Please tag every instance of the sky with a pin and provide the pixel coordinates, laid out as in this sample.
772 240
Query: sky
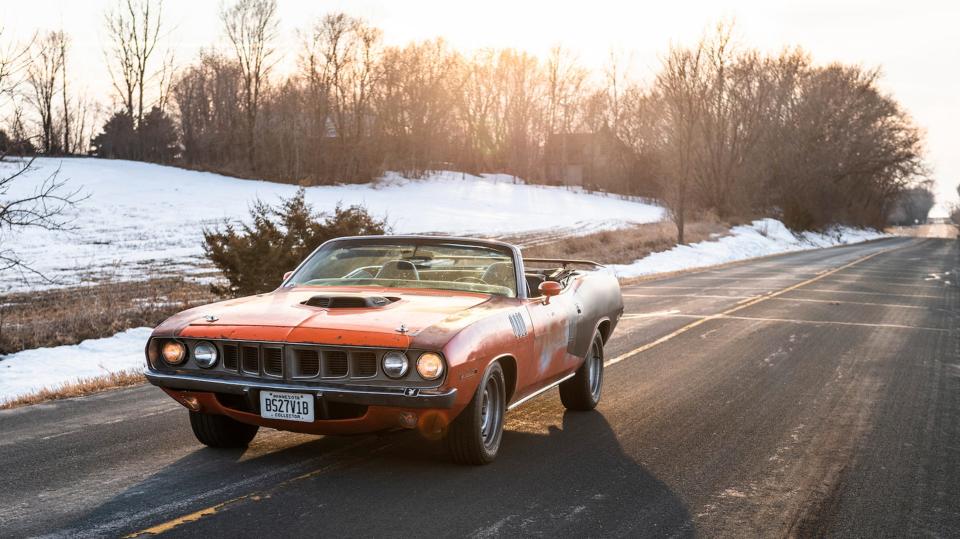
915 43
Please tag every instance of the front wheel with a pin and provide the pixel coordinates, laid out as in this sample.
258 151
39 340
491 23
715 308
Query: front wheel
582 392
474 436
217 430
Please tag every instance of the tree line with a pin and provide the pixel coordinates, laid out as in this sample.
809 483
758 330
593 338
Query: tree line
721 128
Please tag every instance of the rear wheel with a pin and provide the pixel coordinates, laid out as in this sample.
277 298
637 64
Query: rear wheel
221 431
474 436
582 392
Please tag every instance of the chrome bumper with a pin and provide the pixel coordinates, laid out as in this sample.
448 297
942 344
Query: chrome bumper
400 397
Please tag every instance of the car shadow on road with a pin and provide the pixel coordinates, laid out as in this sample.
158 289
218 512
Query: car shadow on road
571 478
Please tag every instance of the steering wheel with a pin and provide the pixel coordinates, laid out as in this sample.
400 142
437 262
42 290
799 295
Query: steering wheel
474 280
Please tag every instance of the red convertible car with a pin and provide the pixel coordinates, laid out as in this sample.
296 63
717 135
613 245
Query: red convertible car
372 333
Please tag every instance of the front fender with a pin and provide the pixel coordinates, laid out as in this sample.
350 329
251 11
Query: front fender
471 351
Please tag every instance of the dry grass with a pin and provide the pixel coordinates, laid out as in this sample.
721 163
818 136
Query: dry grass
625 245
85 386
70 315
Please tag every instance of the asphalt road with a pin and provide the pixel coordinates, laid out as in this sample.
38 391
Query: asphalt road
815 393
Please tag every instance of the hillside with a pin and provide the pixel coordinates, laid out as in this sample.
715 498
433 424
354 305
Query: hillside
143 220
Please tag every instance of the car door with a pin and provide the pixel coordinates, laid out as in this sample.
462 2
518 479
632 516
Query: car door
554 328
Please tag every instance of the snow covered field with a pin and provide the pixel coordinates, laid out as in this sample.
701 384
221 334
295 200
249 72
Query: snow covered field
760 238
143 220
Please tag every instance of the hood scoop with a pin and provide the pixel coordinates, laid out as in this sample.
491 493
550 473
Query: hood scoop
348 302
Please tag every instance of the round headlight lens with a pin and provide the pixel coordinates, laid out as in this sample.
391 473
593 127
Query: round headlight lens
174 353
395 364
430 366
205 354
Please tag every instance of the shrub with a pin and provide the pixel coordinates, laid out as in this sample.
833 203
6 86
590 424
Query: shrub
254 256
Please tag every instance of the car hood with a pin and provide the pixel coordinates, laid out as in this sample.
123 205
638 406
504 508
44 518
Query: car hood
288 315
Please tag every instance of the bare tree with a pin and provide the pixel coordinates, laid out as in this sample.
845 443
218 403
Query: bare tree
14 58
134 27
414 104
566 82
251 26
480 112
680 86
42 76
343 71
64 94
520 134
44 208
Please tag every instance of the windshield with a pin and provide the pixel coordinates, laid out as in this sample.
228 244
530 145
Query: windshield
435 265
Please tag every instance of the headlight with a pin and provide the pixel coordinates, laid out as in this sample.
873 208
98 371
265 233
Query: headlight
395 364
205 354
174 353
430 366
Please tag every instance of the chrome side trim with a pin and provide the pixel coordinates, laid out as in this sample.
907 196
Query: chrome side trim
541 391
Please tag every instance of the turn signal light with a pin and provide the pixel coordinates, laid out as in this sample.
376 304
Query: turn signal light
174 353
430 366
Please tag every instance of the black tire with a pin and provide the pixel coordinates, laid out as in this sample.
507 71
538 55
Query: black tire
221 431
582 392
474 436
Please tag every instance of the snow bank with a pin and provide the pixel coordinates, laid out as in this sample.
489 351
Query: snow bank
760 238
29 371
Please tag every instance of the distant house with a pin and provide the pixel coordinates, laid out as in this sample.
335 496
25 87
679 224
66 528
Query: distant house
596 160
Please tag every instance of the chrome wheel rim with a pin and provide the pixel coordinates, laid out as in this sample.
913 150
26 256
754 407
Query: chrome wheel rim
491 413
595 371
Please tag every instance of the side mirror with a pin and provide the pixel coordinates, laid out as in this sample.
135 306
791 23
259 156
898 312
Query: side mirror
287 276
549 289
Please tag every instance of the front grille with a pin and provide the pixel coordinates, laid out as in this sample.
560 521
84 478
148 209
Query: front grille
364 364
250 358
305 363
231 356
273 361
334 364
308 362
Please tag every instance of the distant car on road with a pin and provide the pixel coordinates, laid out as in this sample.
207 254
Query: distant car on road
373 333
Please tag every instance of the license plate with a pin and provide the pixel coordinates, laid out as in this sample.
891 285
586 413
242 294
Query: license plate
288 406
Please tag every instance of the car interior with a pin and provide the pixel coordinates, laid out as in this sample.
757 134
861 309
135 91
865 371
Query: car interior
496 274
535 277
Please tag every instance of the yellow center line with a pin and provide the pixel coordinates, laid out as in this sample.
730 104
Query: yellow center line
886 282
740 307
258 495
667 314
834 322
760 289
685 296
842 302
829 291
